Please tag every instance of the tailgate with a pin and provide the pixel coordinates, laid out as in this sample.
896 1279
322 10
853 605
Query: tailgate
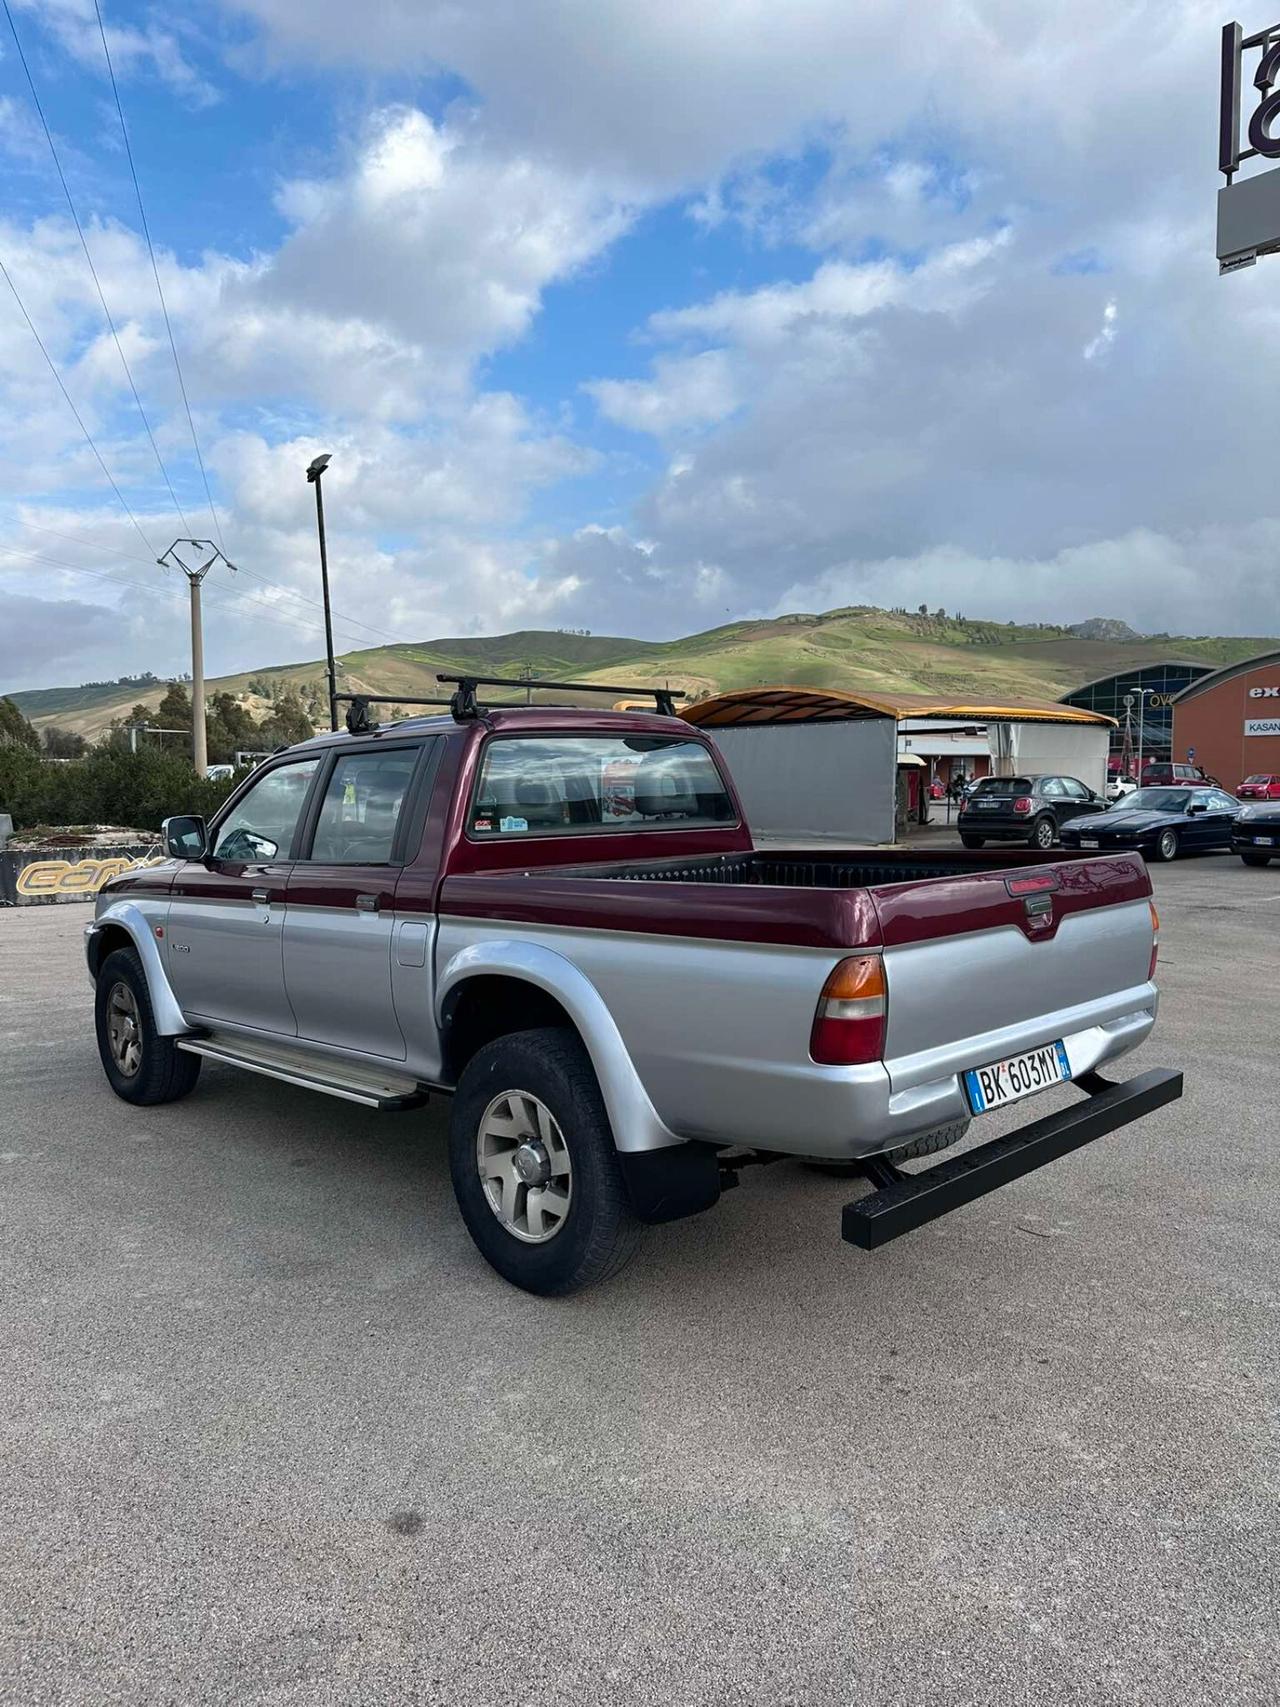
985 964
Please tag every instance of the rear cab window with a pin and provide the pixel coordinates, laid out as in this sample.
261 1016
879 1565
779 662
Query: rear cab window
561 785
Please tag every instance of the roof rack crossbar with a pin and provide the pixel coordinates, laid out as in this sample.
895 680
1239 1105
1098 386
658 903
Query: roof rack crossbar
465 705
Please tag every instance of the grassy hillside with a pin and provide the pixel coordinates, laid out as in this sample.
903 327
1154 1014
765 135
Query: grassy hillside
852 648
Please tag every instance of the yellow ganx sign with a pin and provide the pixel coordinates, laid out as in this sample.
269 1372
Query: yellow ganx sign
78 877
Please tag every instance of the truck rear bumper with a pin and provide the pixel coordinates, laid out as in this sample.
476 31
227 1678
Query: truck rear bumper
905 1201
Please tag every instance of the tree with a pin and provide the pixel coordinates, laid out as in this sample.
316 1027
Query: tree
62 743
174 710
289 722
15 730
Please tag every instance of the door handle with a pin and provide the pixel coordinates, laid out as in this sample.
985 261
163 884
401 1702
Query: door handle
367 903
263 897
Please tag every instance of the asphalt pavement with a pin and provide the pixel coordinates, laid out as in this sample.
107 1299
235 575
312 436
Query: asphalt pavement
271 1432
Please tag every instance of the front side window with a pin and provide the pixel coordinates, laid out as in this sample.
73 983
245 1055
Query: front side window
1074 788
361 809
574 784
262 824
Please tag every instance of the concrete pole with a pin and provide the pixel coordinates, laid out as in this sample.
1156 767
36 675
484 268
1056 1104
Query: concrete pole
199 744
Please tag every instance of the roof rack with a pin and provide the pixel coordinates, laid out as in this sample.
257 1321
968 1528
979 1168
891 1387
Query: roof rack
358 720
465 706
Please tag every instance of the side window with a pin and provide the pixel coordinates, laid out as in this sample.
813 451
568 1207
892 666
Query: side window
261 826
1074 790
1222 802
1052 788
361 809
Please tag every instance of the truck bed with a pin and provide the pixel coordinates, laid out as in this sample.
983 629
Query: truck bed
842 898
839 869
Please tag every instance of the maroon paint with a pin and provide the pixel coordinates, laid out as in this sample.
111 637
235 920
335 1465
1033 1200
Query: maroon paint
147 881
942 907
225 882
327 885
811 918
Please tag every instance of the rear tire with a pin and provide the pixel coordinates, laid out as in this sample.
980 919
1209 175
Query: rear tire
1044 833
1252 858
1167 845
973 841
141 1066
550 1210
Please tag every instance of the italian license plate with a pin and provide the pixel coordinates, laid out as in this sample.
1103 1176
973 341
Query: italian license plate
1019 1076
1086 843
1265 841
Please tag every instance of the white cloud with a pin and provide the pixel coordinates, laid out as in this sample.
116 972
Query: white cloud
1099 345
151 50
693 391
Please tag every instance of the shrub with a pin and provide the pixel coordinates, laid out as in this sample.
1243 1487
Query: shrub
137 790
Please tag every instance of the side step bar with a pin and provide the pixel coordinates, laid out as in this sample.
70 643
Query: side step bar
907 1201
368 1086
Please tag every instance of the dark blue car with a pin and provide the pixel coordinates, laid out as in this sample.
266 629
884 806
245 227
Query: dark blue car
1161 822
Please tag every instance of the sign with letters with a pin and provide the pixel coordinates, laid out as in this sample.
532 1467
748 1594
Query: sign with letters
1262 725
30 878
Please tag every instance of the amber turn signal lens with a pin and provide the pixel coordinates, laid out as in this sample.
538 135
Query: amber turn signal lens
849 1025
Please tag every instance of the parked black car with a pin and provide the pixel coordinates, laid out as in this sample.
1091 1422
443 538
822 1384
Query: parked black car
1255 835
1023 809
1162 822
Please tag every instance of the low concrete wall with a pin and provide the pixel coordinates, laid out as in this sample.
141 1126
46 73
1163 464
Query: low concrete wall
75 873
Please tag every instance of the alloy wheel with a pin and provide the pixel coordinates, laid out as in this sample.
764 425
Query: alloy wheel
1044 833
524 1166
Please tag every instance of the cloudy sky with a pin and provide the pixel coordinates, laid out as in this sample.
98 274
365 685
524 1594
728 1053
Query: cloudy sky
631 315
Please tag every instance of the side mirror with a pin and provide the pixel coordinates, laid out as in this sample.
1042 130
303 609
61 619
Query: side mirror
185 838
1194 806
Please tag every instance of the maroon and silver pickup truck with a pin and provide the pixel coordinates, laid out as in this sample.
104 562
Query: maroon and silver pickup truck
558 916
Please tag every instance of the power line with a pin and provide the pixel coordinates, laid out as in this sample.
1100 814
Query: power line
344 621
164 307
75 219
265 611
79 421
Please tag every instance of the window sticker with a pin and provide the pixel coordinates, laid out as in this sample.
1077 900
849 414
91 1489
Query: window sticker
505 824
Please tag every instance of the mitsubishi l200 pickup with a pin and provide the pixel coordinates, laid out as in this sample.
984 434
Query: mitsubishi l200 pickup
557 916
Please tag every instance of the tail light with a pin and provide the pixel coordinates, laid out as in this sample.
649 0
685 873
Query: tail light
848 1028
1155 940
1022 803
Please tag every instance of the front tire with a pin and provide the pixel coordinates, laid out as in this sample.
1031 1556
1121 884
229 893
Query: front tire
535 1171
1252 858
1043 834
1167 845
141 1066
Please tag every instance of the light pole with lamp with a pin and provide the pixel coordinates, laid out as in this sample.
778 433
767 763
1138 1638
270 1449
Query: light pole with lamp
315 469
1143 695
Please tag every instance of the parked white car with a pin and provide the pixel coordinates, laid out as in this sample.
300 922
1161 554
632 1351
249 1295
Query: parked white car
1119 786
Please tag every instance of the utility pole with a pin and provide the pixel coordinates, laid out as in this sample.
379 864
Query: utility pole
195 575
315 469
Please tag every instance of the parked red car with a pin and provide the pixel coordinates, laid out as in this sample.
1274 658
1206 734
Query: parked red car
1263 786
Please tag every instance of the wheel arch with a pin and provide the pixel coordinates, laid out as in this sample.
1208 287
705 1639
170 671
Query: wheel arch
491 989
124 925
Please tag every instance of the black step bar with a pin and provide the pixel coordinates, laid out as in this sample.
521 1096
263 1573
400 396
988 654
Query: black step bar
906 1201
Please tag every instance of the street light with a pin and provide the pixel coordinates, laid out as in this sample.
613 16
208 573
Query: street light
1143 695
314 470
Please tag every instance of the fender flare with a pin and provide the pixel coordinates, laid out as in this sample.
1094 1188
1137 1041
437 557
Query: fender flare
129 917
635 1122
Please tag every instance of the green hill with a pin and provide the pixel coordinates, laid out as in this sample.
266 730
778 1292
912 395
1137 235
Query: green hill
857 647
